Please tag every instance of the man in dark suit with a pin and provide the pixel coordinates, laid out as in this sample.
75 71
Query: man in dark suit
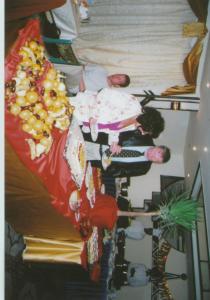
133 167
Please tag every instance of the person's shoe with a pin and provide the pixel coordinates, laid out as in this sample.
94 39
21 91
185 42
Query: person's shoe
148 231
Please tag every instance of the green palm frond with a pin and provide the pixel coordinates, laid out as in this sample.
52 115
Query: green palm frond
180 210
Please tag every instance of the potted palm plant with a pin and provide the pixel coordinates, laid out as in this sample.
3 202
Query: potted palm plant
181 210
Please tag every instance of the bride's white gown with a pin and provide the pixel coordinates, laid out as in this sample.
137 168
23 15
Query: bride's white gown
107 107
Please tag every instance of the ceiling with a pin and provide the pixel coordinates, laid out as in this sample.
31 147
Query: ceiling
197 145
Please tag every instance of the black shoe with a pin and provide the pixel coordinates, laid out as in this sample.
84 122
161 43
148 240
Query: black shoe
148 231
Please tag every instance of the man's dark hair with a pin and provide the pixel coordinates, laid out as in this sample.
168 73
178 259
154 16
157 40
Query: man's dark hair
151 121
166 153
126 81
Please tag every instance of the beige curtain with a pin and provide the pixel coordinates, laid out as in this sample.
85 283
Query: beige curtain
139 37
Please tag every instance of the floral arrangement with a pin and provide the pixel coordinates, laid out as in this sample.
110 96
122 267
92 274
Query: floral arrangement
179 210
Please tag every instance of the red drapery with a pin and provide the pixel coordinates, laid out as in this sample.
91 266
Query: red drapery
51 168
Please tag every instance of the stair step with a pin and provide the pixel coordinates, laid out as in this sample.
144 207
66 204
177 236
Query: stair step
156 198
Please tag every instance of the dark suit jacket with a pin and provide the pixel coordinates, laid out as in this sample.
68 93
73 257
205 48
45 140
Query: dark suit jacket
128 138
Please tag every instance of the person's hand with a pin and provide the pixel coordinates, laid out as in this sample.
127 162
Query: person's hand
92 121
115 148
82 86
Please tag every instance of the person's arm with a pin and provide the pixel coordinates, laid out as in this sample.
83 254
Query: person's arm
82 86
127 122
120 169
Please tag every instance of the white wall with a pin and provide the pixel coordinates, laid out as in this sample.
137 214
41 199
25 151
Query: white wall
174 137
138 252
141 252
142 186
176 264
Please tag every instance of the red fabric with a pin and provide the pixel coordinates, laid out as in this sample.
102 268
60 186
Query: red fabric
52 168
83 257
104 212
96 272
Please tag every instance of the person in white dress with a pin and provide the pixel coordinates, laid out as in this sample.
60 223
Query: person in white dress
112 111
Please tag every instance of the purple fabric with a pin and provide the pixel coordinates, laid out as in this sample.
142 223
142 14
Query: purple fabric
111 126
